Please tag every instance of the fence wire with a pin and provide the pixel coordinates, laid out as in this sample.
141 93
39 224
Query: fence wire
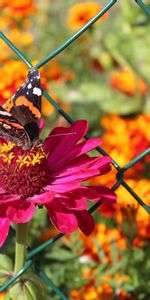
120 171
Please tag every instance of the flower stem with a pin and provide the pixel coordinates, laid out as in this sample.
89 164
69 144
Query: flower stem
21 243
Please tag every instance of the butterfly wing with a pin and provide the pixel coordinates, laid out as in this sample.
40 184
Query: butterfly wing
25 104
12 130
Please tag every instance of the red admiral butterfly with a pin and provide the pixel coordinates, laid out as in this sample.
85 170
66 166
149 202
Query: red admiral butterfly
20 115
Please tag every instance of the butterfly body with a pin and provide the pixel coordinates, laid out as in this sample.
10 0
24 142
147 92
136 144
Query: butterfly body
20 115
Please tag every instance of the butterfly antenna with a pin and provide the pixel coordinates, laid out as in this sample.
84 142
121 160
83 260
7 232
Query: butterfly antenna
61 134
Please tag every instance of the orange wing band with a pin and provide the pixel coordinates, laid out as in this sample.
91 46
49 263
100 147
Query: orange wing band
23 101
8 105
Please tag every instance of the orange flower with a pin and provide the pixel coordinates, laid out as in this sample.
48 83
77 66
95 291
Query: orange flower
47 234
104 236
6 22
103 291
48 109
125 138
2 295
130 211
18 37
55 72
80 13
12 74
17 8
128 83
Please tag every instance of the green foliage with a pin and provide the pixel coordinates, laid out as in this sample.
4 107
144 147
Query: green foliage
29 287
121 41
6 267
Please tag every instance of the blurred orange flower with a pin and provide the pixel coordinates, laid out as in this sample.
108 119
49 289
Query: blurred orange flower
103 291
125 138
2 295
104 236
47 234
56 72
48 109
131 211
17 8
12 74
80 13
128 83
16 36
6 22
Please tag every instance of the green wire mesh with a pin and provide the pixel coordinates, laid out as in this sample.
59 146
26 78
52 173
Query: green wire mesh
120 171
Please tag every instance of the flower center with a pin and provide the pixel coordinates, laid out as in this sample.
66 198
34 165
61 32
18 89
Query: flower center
22 172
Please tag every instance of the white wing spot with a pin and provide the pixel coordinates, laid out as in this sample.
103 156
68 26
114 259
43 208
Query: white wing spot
6 126
5 113
37 91
29 86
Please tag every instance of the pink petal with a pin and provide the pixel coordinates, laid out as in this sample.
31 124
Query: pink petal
70 202
22 212
74 166
75 132
62 188
105 193
4 225
67 154
5 199
88 193
54 138
85 222
83 162
102 163
83 171
2 191
41 125
43 198
79 176
64 222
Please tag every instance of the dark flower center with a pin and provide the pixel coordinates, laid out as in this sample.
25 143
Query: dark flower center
23 174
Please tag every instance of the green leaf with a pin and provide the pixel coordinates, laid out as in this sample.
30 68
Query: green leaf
60 255
6 266
29 287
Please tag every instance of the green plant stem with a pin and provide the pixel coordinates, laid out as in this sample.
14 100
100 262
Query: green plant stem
21 244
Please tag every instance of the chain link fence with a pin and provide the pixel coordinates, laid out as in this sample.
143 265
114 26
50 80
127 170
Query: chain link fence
120 171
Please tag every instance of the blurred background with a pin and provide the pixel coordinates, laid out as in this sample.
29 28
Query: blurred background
103 77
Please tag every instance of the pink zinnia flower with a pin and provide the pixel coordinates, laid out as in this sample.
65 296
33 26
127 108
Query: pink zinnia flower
51 175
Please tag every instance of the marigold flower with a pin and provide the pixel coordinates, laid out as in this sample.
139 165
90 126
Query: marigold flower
104 236
16 8
80 13
51 175
56 72
2 295
128 83
6 22
48 109
104 291
16 35
130 210
124 134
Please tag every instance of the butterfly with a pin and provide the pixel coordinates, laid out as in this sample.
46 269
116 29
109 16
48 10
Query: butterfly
20 114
